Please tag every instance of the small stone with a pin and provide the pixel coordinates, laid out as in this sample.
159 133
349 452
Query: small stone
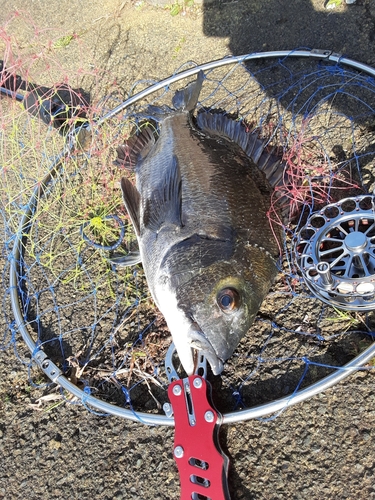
54 445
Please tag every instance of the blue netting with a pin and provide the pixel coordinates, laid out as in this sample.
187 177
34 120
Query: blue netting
96 321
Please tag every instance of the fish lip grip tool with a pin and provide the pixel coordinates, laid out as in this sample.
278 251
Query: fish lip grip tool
202 465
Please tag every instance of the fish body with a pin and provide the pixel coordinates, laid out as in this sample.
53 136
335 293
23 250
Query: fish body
199 211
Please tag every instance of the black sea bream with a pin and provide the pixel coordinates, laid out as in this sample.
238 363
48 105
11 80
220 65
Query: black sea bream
199 209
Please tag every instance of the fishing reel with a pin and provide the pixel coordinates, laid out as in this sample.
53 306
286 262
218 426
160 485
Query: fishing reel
335 252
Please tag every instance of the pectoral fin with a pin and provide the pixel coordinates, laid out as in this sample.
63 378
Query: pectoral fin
164 204
132 201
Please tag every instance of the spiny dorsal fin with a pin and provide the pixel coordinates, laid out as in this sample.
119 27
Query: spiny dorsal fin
135 148
164 204
220 125
187 98
132 201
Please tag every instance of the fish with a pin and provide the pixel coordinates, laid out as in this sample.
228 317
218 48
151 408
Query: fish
199 209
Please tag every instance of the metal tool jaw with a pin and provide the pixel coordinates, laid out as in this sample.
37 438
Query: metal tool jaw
202 465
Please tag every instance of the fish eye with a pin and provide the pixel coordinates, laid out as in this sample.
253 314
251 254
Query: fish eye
228 300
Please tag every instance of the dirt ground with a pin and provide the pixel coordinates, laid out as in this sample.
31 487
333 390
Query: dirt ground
322 448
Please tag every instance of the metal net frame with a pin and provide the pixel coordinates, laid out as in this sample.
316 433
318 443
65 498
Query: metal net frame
91 326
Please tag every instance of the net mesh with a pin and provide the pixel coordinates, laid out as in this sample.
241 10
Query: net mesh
97 321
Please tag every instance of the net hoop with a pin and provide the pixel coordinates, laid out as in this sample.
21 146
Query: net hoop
52 370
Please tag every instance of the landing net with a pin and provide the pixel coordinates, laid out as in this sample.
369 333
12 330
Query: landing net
100 335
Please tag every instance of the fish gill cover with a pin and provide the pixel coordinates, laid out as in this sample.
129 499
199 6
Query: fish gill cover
96 320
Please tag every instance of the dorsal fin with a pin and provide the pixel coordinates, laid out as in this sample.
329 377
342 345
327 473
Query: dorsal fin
220 125
135 148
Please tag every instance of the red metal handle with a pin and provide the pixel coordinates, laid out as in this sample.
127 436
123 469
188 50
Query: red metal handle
202 465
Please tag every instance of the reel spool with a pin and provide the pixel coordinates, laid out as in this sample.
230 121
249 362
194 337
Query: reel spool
335 252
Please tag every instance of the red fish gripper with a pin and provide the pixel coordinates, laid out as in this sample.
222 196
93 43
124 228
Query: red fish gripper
202 465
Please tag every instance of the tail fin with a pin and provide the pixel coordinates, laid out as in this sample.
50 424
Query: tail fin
186 99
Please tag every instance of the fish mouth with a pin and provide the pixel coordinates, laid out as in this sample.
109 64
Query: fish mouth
198 341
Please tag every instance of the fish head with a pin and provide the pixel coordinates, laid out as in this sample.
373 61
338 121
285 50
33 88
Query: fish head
213 311
222 306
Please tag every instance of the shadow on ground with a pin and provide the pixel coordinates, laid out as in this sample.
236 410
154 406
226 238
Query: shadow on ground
278 25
